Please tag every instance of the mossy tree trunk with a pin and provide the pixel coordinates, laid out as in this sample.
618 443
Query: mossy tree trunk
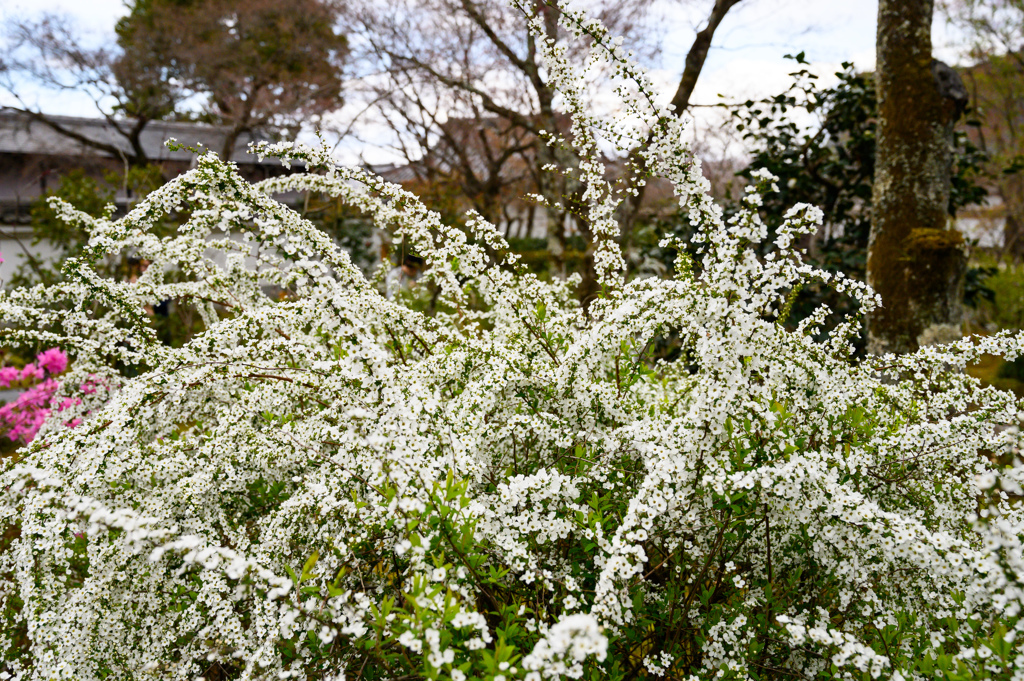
916 259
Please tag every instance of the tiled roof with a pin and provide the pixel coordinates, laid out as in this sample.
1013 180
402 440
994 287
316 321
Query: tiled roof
21 134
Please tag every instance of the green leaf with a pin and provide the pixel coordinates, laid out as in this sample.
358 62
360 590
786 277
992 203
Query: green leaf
307 569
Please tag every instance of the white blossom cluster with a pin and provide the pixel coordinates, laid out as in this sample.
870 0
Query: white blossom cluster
337 485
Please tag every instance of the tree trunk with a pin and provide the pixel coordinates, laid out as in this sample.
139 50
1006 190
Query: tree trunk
916 258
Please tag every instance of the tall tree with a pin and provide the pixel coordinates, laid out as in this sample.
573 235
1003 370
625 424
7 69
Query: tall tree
471 60
474 60
916 260
127 90
258 65
692 67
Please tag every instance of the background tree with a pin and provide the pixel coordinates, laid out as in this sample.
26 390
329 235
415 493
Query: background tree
255 66
916 261
693 65
457 155
261 66
473 60
127 90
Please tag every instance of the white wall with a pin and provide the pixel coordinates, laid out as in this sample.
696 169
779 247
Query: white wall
13 243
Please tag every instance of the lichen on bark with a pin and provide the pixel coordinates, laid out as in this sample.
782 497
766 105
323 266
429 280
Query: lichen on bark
916 259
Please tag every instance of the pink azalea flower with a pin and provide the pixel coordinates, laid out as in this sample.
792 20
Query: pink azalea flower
26 415
22 418
69 402
27 423
32 371
53 360
9 375
38 395
92 385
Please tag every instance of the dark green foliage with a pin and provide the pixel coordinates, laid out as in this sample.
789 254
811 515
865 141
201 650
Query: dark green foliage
830 164
174 323
1014 369
976 286
820 143
1005 310
84 193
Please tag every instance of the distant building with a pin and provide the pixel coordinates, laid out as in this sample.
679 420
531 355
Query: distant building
34 157
985 224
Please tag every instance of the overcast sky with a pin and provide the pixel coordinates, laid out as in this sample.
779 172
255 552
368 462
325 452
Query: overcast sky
746 59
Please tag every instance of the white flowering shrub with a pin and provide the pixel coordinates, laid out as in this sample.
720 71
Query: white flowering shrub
335 485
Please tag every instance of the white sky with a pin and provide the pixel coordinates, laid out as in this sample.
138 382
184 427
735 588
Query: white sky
746 59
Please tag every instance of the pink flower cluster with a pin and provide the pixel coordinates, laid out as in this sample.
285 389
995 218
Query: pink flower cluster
22 418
